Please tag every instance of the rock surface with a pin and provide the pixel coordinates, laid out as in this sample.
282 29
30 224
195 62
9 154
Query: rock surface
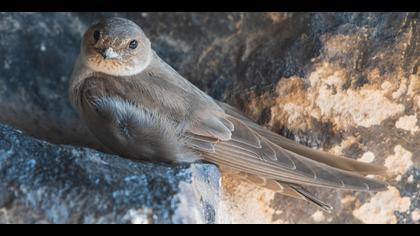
347 83
46 183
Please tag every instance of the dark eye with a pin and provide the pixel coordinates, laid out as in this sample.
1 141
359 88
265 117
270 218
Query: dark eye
133 44
96 35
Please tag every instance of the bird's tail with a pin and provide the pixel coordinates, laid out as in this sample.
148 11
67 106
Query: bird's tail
306 195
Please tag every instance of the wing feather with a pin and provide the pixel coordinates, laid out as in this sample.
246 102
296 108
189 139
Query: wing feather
247 150
320 156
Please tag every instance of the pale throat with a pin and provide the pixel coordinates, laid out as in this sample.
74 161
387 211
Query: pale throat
115 66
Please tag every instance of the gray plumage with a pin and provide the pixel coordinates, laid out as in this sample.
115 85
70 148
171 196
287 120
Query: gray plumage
139 107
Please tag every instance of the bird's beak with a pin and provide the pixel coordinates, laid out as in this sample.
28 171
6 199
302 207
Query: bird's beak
108 53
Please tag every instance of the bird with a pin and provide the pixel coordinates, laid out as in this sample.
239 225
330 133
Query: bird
139 107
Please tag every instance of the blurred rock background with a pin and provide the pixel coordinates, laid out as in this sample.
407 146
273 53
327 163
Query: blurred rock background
347 83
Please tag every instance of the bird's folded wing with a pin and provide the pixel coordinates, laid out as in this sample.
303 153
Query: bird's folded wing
320 156
227 140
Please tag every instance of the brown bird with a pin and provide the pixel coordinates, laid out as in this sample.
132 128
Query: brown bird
139 107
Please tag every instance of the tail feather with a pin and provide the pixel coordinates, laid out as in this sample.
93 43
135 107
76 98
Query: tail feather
306 195
287 189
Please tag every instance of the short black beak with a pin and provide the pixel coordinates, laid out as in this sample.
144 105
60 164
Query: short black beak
102 52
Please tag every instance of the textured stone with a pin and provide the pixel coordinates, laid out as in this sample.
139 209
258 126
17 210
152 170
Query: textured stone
347 83
46 183
380 209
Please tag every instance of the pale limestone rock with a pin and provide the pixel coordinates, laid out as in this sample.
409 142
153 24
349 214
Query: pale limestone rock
380 208
415 216
408 123
243 202
367 157
399 163
318 216
401 90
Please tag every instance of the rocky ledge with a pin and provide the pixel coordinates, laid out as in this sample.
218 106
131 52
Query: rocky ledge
46 183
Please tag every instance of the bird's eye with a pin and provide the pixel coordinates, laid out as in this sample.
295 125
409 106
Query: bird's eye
133 44
96 35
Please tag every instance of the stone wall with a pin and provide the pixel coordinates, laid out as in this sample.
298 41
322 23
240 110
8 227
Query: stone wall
347 83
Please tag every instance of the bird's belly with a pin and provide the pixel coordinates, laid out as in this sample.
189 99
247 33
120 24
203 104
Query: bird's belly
134 133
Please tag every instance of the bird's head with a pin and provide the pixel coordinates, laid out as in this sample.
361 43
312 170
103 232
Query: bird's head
116 46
